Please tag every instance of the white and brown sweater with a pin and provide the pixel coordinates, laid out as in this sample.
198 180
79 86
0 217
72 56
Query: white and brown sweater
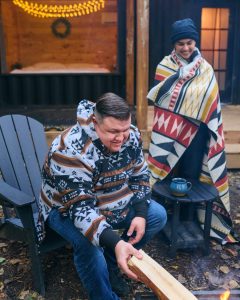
93 187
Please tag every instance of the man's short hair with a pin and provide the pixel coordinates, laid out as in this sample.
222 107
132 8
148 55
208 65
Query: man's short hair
111 105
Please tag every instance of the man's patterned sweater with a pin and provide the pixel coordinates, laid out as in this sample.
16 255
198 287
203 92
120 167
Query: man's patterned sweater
85 182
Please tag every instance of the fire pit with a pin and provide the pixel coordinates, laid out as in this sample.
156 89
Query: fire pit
201 295
218 295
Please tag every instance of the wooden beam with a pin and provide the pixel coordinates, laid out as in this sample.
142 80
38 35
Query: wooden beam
130 53
2 43
146 138
160 281
142 62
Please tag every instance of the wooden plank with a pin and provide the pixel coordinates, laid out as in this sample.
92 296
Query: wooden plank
233 148
142 62
159 280
233 156
39 140
6 167
232 136
10 42
146 138
130 78
2 43
50 136
109 17
16 162
233 161
231 120
28 152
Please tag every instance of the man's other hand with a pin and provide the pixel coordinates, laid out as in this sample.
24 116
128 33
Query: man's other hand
137 226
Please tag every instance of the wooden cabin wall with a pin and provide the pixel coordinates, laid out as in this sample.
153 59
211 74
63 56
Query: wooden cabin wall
29 40
9 42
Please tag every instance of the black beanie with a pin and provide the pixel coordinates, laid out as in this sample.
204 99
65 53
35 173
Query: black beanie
184 29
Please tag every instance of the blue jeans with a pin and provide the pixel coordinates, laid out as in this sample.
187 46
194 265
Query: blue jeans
89 260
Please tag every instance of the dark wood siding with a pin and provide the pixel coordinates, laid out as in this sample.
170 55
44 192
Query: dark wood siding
56 89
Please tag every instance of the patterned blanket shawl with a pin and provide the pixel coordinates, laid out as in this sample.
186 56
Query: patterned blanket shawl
185 95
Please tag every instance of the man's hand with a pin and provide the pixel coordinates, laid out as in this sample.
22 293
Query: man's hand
138 225
123 252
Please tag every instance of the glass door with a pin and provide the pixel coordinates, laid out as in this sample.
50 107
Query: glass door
215 45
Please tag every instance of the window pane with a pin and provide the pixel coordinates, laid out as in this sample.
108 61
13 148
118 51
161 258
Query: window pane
215 18
220 39
214 40
207 39
208 55
208 18
219 60
216 60
223 18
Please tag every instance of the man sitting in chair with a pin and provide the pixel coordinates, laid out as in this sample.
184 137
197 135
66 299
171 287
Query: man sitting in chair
96 180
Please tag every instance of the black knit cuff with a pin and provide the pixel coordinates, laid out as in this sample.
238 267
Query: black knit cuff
141 209
109 238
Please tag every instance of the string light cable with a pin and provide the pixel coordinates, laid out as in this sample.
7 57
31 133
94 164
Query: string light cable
60 11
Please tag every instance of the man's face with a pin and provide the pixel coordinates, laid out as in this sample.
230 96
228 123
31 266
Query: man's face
185 48
112 132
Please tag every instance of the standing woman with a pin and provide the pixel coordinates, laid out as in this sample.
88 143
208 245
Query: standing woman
187 135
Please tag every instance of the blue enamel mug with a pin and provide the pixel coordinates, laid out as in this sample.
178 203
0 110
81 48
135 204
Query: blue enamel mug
180 186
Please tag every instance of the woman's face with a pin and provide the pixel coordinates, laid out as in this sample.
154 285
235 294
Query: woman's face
185 48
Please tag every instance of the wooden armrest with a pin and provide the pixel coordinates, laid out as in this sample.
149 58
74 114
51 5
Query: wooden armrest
14 196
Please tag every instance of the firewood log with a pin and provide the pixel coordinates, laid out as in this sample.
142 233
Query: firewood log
159 280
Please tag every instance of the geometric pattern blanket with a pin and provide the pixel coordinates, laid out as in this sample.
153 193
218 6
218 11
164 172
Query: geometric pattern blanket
185 95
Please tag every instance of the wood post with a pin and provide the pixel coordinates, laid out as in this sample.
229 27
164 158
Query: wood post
2 43
142 62
130 53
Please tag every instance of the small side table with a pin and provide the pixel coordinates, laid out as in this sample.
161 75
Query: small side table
187 233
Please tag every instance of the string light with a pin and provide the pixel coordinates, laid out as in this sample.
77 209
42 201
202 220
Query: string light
60 11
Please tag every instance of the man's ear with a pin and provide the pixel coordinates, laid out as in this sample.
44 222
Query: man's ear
94 119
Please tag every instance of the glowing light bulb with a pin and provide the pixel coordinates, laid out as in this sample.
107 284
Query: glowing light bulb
52 11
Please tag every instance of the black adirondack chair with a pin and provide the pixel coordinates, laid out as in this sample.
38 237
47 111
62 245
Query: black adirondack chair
23 149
